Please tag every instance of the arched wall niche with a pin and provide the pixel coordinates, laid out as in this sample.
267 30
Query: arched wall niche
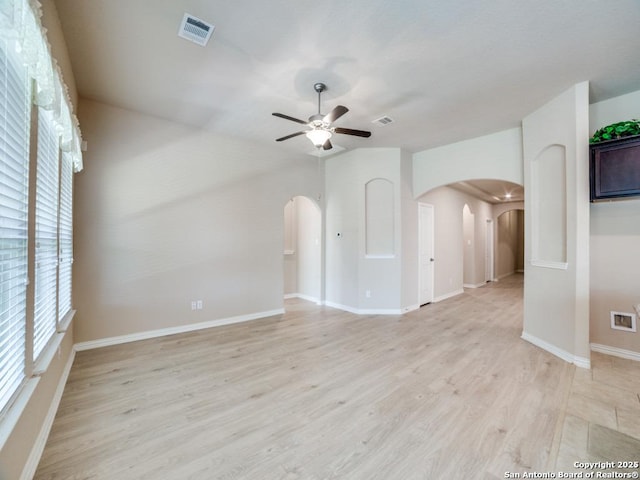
549 206
379 218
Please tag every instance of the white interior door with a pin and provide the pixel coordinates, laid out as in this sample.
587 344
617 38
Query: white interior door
488 276
426 244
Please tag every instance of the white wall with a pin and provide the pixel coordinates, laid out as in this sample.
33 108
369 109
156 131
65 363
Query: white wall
496 156
354 280
556 293
166 214
409 235
615 241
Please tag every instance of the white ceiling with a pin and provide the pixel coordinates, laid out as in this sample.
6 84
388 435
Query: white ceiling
444 71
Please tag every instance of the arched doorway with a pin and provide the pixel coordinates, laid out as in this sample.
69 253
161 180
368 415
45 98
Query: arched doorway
509 242
468 247
466 233
302 257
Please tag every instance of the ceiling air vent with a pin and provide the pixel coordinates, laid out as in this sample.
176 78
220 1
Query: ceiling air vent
382 121
195 30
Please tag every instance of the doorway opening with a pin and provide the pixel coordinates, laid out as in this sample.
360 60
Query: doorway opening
489 275
468 248
466 245
510 243
302 259
425 253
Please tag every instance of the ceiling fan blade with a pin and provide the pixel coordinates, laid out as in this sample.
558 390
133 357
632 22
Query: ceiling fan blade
287 117
350 131
290 136
327 145
335 114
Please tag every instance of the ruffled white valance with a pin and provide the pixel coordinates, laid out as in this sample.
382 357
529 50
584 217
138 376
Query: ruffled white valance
20 22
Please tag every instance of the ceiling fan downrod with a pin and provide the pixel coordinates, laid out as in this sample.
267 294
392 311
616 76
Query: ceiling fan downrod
319 87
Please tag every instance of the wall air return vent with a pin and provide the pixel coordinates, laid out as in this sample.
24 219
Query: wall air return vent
384 120
195 30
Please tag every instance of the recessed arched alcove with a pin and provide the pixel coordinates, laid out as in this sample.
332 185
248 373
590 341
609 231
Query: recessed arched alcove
549 206
379 218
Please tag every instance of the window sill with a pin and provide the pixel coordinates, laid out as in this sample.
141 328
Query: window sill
66 321
10 419
550 264
42 364
12 415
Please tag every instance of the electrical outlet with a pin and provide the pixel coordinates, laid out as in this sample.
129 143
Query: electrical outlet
194 305
367 294
199 304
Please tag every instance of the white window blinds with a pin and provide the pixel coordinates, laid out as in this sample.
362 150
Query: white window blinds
46 257
65 236
14 180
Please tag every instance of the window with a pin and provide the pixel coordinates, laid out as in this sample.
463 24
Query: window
14 180
47 194
65 236
37 162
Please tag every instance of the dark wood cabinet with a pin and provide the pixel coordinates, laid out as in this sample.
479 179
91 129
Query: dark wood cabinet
615 169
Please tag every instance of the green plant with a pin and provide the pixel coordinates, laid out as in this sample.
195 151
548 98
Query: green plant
616 130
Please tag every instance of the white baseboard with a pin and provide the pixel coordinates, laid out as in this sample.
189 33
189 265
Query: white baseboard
380 311
448 295
474 285
302 296
505 275
31 466
578 361
410 308
339 306
367 311
616 352
134 337
582 362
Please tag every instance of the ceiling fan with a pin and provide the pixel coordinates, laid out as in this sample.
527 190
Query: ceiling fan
320 129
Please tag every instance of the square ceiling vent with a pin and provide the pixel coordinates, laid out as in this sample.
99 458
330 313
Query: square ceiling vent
195 30
383 121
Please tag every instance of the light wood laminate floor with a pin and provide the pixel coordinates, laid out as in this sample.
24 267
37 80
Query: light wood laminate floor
446 392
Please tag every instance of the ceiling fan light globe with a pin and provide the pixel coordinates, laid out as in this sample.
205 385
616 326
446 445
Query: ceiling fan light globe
318 136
